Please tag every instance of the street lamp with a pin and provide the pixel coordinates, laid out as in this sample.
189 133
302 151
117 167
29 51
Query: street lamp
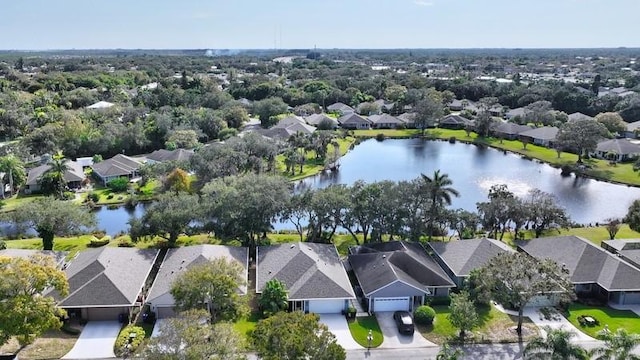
369 339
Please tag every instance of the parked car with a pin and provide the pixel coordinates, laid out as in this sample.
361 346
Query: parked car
404 321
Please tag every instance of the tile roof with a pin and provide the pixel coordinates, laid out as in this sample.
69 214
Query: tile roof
377 265
586 262
308 270
463 256
180 259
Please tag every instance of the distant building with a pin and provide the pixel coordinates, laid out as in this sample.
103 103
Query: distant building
101 105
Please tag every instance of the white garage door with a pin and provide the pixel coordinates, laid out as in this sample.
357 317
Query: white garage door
390 304
326 306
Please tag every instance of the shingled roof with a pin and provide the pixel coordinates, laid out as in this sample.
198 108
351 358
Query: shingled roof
466 255
107 276
119 165
74 173
308 270
170 155
586 262
377 265
619 146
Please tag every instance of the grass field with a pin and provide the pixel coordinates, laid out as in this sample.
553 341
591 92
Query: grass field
360 327
614 319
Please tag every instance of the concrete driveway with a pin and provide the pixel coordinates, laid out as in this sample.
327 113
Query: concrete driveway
557 322
337 324
393 339
96 341
156 328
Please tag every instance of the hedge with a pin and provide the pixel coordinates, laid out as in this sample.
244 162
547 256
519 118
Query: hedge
424 315
124 339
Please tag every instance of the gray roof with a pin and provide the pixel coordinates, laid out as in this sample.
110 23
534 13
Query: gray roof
586 262
74 173
58 256
316 119
455 120
465 255
308 270
170 155
626 244
339 107
288 121
578 116
542 133
377 265
107 276
385 119
619 146
119 165
408 118
510 128
353 119
516 112
633 126
180 259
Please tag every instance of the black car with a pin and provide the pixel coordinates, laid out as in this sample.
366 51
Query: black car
404 321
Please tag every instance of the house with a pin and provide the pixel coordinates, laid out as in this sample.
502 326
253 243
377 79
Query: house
632 130
374 108
509 130
543 136
464 104
459 258
578 116
116 167
397 275
496 110
179 260
627 249
164 155
317 119
385 121
73 176
354 121
517 112
408 118
289 120
293 124
340 108
101 105
618 149
107 283
59 257
384 105
313 274
594 271
455 122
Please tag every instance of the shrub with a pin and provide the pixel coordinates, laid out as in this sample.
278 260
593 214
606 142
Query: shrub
124 242
93 196
67 329
3 245
95 242
227 133
125 338
424 315
452 139
110 196
119 184
380 137
99 234
68 195
439 300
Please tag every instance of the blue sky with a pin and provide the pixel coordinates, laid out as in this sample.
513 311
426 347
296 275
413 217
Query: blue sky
82 24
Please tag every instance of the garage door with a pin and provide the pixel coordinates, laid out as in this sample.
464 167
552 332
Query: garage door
165 312
632 297
543 300
104 314
326 306
390 304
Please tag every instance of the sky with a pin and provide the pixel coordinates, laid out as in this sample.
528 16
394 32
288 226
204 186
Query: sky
268 24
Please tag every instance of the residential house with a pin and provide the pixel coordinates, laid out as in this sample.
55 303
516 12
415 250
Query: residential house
58 256
362 108
543 136
632 130
179 260
618 149
496 110
385 121
164 155
455 122
627 249
107 283
317 119
408 119
578 116
73 176
594 271
313 274
517 112
459 258
397 275
100 105
116 167
354 121
340 108
509 130
464 104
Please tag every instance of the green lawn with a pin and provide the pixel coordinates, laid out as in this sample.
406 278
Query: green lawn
246 325
10 204
70 244
312 166
614 319
360 330
390 133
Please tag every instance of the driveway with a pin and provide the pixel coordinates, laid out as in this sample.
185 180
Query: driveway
337 324
393 339
156 328
557 322
96 341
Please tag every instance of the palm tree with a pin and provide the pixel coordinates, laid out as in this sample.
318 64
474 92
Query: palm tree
55 175
555 346
15 172
617 346
449 353
439 192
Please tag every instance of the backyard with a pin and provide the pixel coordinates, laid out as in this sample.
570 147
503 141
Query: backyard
612 318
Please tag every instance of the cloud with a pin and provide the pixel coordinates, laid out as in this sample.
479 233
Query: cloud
423 2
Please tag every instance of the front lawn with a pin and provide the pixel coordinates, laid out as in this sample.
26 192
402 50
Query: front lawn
495 327
51 345
360 327
614 319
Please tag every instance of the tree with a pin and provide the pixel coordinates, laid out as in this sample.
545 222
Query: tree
273 298
177 181
267 109
464 223
184 139
171 215
215 283
595 86
613 226
189 337
581 136
52 181
496 214
428 111
613 122
617 346
27 310
463 313
244 207
515 279
633 216
295 336
235 116
14 170
484 121
50 217
544 213
449 353
439 192
556 345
